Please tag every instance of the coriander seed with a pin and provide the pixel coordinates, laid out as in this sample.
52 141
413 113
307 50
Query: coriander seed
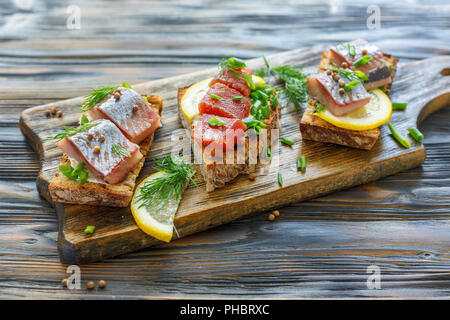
102 284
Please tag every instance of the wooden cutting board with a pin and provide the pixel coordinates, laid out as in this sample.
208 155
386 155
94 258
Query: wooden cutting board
423 84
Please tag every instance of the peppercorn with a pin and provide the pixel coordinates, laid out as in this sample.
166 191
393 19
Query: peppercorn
91 285
153 99
102 138
96 149
341 91
344 65
90 136
271 217
102 284
117 96
336 77
329 72
341 83
135 108
276 213
64 282
59 113
364 52
53 110
47 113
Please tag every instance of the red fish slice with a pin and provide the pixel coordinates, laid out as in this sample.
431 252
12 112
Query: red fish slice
238 83
323 88
207 134
219 101
108 165
130 113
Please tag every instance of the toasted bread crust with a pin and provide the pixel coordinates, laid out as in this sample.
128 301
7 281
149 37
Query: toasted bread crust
317 129
216 175
62 189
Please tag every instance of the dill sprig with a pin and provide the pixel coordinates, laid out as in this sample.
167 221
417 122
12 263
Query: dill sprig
68 131
97 95
120 150
294 82
169 186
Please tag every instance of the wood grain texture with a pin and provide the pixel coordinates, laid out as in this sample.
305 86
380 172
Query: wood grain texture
318 248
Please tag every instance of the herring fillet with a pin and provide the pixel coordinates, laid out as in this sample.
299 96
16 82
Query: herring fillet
325 89
136 124
108 165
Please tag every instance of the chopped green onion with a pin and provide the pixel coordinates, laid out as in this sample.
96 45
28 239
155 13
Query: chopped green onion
301 163
351 85
398 136
213 96
416 134
78 174
126 85
280 179
362 61
82 177
249 81
145 98
274 101
89 230
287 141
399 105
215 122
390 69
319 108
238 98
263 94
84 119
268 153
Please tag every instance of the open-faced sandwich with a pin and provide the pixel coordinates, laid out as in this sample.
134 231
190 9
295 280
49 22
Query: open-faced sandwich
214 109
104 155
348 101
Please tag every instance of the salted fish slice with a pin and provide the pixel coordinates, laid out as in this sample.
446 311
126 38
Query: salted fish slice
130 113
109 166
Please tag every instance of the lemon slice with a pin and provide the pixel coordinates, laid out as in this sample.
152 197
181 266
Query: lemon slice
155 221
195 93
370 116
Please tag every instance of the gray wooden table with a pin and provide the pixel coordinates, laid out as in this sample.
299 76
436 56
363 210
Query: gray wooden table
315 249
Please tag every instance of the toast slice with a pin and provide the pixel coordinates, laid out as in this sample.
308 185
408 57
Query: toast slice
62 189
316 129
215 174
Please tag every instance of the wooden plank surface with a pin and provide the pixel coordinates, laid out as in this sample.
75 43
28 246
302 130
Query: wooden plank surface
318 248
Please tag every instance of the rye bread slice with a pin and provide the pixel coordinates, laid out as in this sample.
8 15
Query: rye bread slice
215 174
62 189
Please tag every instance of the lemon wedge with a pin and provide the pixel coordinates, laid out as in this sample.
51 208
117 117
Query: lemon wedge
155 221
195 93
377 112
